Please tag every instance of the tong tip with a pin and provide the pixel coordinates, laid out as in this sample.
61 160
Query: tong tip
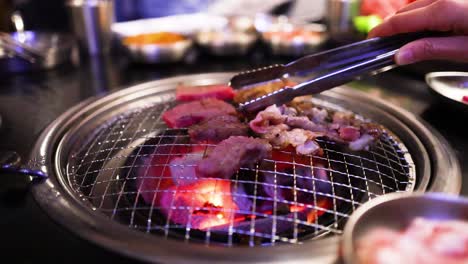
276 97
259 75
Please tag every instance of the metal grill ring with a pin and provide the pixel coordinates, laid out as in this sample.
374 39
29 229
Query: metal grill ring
105 170
92 153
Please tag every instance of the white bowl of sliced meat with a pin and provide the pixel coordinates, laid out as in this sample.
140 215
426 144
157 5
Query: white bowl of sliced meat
408 228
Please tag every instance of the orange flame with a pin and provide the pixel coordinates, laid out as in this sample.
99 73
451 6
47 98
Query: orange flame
204 204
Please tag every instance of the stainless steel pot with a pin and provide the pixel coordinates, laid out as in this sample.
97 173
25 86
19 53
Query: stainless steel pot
339 18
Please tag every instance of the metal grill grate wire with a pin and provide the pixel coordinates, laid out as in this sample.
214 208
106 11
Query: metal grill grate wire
105 171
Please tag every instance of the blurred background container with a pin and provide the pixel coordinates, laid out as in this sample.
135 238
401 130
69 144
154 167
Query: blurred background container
91 23
340 16
310 25
52 15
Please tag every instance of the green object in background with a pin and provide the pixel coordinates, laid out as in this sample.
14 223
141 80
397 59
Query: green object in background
364 24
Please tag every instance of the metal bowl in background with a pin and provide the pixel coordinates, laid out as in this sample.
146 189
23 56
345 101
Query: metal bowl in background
288 37
159 53
186 24
339 19
295 40
55 49
236 37
226 42
451 87
241 23
396 211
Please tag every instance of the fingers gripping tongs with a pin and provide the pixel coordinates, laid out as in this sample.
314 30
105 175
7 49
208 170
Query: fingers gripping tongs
325 70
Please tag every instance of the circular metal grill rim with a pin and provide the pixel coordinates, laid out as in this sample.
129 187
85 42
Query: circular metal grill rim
65 208
115 164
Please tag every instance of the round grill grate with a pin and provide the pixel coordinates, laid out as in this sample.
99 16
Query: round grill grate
123 169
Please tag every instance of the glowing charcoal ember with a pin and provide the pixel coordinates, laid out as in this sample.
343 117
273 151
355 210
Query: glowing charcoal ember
315 180
312 214
322 206
155 174
183 168
192 93
241 198
285 158
304 172
283 225
282 188
201 205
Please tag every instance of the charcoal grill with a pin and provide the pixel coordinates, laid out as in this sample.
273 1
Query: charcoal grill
95 155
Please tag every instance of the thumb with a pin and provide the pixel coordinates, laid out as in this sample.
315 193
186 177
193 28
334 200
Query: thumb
449 48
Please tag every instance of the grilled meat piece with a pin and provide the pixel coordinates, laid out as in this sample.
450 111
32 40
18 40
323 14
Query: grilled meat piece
266 119
358 134
218 128
305 123
188 114
275 126
349 133
282 126
250 93
302 140
305 107
232 154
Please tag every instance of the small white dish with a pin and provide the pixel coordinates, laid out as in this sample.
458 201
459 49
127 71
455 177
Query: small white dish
450 85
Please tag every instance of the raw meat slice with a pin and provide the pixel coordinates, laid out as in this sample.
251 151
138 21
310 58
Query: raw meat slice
192 93
424 241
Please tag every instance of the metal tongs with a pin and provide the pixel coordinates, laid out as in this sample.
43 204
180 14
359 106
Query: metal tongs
325 70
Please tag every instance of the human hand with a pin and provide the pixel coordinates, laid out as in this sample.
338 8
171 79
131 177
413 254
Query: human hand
436 15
